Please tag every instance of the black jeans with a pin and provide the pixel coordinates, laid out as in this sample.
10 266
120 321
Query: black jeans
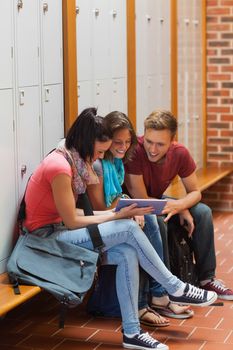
203 241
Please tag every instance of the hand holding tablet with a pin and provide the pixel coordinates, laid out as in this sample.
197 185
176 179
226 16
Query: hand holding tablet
157 204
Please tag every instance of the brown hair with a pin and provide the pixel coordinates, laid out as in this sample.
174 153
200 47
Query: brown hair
116 121
161 120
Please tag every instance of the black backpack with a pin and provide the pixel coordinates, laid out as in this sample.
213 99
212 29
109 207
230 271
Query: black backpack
181 252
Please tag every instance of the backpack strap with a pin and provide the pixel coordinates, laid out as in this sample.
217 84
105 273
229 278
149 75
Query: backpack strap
84 203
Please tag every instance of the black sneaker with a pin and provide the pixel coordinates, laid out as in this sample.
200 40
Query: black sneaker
195 296
143 341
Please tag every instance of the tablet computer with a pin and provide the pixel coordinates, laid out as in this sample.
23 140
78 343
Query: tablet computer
157 204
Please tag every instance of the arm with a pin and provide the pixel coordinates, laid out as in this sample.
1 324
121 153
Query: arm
181 206
96 195
136 186
65 204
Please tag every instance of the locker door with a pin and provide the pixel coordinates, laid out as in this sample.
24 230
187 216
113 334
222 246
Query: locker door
100 39
164 37
53 121
152 51
141 98
84 17
101 96
117 30
118 98
6 44
85 95
140 8
29 134
7 177
27 42
165 91
153 96
51 40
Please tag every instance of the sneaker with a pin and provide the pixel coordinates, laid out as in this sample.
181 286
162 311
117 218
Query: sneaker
143 341
219 287
194 296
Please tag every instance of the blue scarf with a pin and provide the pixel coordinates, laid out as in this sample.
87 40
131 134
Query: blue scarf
113 177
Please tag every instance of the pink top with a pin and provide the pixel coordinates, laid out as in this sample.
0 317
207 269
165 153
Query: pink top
40 206
158 176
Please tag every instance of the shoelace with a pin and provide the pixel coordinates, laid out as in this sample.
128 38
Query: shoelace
195 293
147 338
219 285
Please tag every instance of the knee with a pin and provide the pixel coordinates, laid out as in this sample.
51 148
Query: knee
201 211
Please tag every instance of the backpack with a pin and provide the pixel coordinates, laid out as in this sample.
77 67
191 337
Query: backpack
65 270
181 255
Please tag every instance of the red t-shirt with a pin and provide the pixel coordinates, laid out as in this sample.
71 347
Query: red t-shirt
157 177
40 206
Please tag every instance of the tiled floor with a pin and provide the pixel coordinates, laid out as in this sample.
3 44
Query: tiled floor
34 325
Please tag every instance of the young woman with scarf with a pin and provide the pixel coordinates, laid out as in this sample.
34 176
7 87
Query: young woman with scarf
105 195
51 197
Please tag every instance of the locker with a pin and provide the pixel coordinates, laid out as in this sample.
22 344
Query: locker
27 42
53 123
152 41
165 91
101 96
6 44
7 182
51 19
118 35
118 95
29 133
153 96
100 39
84 38
141 95
140 8
85 95
164 37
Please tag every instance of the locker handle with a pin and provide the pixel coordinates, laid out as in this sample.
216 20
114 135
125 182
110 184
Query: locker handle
161 20
77 10
21 97
186 21
148 17
114 13
46 94
96 12
23 169
45 7
20 4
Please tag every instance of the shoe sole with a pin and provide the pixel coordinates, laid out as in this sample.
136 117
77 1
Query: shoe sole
129 346
206 303
225 297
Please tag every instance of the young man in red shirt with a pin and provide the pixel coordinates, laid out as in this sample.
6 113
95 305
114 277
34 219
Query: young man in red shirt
158 160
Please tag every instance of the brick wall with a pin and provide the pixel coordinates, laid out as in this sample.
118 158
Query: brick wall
220 98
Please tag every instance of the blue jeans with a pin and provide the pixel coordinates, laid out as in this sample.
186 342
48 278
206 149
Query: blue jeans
147 285
126 245
203 241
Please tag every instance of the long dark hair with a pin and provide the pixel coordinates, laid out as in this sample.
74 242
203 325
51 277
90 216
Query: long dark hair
86 129
117 121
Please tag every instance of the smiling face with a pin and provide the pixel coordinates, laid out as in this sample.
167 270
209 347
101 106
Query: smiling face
156 144
100 148
120 143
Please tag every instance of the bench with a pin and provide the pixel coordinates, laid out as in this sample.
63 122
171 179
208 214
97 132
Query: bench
8 300
206 177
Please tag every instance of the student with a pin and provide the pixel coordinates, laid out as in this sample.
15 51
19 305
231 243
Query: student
50 199
158 159
106 193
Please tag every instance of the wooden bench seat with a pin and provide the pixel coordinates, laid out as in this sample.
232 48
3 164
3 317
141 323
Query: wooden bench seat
8 300
206 177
